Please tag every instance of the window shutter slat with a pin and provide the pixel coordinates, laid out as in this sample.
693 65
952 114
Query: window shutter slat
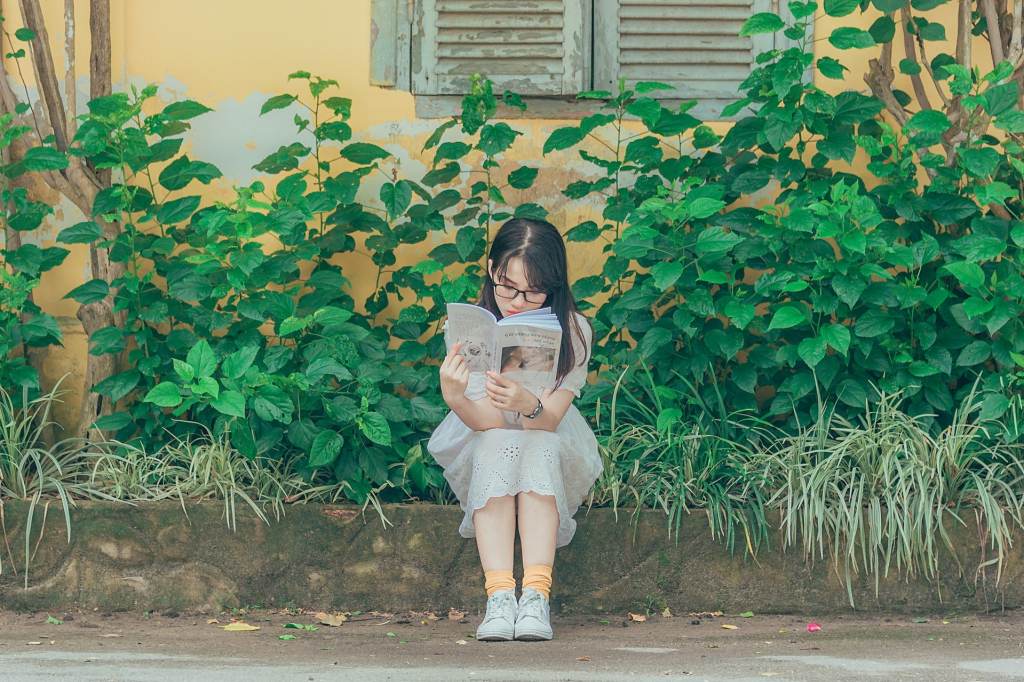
532 47
693 45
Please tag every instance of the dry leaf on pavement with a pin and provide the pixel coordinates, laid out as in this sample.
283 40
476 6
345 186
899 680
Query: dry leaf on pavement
240 627
334 620
637 618
730 627
456 615
666 613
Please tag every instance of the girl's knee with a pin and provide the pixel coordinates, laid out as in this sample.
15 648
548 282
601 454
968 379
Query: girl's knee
535 497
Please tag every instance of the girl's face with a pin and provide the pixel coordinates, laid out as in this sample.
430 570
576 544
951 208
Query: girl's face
515 277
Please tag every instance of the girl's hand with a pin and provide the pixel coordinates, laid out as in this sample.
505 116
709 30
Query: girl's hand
506 394
454 375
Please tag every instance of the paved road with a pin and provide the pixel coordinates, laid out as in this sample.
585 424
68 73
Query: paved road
414 647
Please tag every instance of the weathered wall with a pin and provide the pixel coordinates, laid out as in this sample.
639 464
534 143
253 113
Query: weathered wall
154 558
233 54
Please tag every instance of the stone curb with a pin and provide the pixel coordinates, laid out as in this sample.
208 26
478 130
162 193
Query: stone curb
154 557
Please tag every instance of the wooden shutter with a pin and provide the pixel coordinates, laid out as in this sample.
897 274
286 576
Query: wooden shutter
532 47
693 45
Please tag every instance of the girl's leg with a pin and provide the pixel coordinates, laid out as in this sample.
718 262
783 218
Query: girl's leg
495 525
538 530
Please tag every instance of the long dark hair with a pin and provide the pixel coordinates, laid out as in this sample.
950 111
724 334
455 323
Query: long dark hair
540 246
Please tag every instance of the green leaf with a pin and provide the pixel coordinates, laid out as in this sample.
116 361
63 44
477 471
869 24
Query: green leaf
930 121
563 138
44 159
666 273
812 350
80 233
837 336
273 404
840 8
788 316
716 240
92 291
496 138
164 394
277 102
522 177
761 22
25 34
883 30
873 323
364 153
1000 98
185 109
980 162
969 274
184 370
235 364
831 68
177 210
375 427
974 353
181 171
703 207
325 448
231 403
202 359
849 38
740 313
290 325
396 197
118 385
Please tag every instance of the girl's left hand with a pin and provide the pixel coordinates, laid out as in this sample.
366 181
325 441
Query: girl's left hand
506 394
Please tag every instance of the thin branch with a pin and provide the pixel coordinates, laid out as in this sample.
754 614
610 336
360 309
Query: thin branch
964 24
911 51
995 37
46 74
70 87
100 82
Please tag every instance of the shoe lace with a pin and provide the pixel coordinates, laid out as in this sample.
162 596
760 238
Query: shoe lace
495 605
532 604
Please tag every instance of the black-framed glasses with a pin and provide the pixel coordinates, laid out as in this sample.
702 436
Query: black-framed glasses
507 292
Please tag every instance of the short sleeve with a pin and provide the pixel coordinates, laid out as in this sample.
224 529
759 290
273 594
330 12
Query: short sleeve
576 379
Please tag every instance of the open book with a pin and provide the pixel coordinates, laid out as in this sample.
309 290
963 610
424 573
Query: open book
523 346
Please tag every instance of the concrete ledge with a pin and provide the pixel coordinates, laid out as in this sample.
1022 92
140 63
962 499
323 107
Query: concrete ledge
153 557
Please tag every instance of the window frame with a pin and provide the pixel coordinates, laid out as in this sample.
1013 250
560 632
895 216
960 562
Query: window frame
392 65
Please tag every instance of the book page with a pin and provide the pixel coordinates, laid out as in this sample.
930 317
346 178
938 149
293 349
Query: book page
528 354
474 327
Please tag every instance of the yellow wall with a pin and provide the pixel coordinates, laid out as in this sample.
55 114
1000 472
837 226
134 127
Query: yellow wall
233 54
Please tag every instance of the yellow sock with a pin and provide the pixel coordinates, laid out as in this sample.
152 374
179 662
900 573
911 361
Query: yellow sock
498 580
538 576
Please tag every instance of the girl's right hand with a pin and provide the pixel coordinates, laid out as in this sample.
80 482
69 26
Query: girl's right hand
454 375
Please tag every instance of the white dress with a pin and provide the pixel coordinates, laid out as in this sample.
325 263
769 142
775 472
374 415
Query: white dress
564 463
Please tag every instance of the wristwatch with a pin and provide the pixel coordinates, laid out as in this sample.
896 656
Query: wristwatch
536 411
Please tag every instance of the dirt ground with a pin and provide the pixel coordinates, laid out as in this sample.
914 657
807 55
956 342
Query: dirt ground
426 646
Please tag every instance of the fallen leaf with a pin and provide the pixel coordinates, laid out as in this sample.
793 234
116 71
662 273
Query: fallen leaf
391 634
240 627
920 620
666 613
945 622
583 658
813 627
705 614
432 616
111 634
726 626
334 620
747 614
301 626
460 641
50 620
456 615
34 643
286 637
637 618
212 621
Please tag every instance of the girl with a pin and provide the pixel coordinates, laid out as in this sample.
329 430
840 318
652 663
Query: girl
513 452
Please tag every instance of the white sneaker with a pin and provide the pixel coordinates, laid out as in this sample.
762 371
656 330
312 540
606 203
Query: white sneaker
533 622
499 621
